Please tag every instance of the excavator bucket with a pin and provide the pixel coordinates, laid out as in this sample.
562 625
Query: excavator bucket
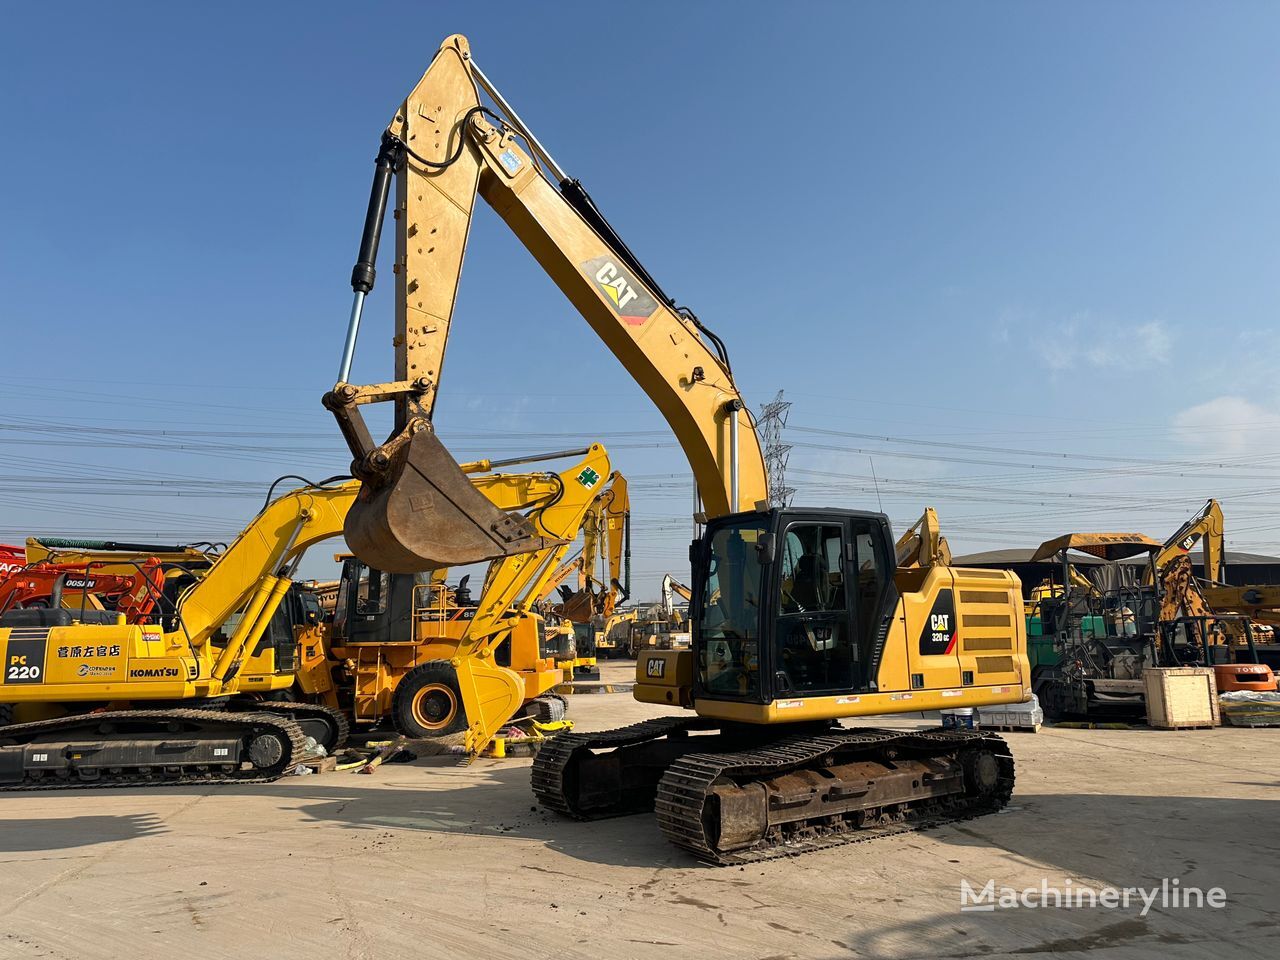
578 606
423 513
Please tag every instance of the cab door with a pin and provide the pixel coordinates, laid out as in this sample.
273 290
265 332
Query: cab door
833 579
373 606
815 648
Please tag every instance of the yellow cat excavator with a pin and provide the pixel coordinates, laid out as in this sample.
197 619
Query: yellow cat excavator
1180 595
800 616
1205 528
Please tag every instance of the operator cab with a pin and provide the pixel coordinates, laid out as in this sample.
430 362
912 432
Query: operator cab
377 607
790 603
373 606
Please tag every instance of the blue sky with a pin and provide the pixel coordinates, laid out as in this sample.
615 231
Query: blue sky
1021 256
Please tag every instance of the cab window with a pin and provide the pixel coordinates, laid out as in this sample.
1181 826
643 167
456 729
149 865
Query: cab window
816 649
729 625
871 579
371 594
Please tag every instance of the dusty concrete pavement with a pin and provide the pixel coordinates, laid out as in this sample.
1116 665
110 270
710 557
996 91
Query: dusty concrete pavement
439 859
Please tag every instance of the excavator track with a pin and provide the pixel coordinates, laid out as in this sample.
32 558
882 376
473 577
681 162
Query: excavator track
127 748
556 766
782 797
339 728
686 802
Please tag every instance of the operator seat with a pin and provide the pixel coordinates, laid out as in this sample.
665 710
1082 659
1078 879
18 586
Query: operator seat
807 588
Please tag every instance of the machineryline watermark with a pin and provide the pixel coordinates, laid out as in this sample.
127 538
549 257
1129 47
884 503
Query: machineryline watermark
1070 895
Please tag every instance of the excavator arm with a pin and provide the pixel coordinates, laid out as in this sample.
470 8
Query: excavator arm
923 545
617 536
671 588
532 492
443 148
519 580
1207 527
588 561
492 693
604 529
562 573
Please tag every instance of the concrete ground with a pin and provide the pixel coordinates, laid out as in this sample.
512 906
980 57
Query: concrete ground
435 859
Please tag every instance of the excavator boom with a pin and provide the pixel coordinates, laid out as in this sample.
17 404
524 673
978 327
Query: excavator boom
923 545
416 511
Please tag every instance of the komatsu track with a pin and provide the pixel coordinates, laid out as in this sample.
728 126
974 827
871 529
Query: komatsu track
328 727
127 748
734 797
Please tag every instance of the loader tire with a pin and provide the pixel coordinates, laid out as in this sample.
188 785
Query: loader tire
428 702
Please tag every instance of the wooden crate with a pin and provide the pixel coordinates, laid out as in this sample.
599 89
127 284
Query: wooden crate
1180 697
321 764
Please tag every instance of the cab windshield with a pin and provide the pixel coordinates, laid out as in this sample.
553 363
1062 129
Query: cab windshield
728 624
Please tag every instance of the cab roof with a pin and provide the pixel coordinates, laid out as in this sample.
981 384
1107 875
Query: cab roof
1105 546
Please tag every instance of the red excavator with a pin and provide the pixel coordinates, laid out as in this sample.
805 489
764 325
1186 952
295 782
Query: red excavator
60 584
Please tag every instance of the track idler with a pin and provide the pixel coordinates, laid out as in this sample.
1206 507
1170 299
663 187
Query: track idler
417 511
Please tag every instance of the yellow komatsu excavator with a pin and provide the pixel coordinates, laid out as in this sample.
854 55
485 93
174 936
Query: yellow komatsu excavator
181 701
398 649
800 617
241 651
